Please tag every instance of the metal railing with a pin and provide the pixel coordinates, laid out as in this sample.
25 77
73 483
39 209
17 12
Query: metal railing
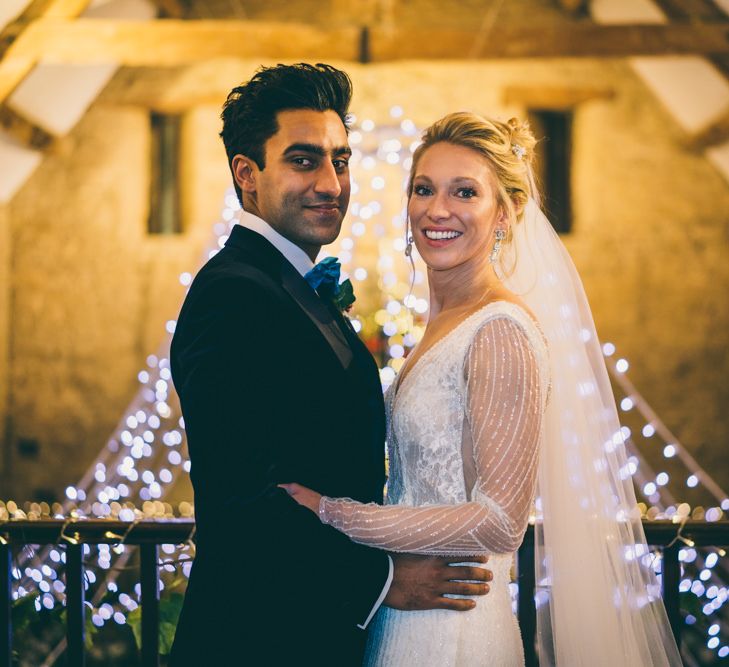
148 535
659 534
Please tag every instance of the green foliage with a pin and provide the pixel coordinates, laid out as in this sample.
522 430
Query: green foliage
28 623
23 612
690 604
170 606
26 620
345 297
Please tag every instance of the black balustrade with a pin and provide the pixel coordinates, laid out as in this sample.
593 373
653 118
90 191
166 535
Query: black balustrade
6 634
149 534
73 536
660 534
75 621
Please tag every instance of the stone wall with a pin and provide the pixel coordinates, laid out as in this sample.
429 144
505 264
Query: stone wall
90 291
91 294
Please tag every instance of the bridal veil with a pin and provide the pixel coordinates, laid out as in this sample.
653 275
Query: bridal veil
598 598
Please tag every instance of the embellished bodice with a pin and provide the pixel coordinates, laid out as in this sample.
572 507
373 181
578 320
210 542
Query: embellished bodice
427 411
464 428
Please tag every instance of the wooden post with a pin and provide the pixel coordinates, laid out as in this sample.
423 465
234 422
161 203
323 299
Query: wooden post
75 607
6 599
150 605
671 579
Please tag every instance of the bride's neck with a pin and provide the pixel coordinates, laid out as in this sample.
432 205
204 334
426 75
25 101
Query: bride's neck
461 287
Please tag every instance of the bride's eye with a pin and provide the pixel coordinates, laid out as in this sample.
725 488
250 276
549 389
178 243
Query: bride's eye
422 190
466 193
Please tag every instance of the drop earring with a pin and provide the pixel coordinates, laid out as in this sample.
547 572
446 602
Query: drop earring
409 246
500 236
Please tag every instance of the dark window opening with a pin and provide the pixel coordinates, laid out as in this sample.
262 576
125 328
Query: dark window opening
552 165
164 205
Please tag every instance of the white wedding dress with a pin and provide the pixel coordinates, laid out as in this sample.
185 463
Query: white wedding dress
464 428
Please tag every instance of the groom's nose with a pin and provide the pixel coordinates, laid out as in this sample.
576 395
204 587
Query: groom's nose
327 180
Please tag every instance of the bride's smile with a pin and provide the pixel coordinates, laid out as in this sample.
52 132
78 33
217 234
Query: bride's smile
441 235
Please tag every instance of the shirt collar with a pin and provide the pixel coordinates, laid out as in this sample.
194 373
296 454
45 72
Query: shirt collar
295 255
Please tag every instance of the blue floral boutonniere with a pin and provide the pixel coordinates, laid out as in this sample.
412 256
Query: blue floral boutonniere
324 278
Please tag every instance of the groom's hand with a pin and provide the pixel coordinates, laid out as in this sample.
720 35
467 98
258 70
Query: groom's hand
420 582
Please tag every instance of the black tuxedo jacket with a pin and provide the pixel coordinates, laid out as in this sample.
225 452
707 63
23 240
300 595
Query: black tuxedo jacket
275 387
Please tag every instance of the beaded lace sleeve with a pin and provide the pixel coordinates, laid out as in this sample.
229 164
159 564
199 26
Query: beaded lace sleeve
504 407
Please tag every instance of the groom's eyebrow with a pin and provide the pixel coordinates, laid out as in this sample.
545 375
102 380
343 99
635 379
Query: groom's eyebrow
316 149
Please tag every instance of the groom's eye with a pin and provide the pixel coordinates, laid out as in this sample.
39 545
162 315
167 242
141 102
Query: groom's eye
340 164
304 162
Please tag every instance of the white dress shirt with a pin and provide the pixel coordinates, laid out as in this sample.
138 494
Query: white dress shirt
302 263
296 256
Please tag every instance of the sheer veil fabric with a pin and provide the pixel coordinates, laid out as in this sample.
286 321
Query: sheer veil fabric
598 599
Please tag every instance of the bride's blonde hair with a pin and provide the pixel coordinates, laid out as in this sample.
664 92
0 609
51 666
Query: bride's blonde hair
509 147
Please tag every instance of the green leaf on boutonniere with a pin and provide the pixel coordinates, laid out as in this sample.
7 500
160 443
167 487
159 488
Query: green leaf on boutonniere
345 296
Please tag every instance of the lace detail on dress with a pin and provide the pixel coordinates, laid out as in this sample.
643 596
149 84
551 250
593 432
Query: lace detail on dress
463 437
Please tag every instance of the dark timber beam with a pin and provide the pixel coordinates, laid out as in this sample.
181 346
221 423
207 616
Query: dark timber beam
713 135
172 42
25 131
553 97
704 11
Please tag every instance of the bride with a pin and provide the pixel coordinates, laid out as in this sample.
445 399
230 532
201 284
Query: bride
504 400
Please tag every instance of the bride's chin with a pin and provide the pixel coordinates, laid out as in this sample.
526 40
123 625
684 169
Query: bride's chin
440 264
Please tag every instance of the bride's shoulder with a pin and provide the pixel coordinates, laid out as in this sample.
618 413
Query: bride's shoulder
508 302
504 303
508 306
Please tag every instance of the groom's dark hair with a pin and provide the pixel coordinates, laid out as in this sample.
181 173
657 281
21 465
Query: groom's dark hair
249 113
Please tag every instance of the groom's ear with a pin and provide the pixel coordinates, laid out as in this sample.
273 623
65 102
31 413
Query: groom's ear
244 171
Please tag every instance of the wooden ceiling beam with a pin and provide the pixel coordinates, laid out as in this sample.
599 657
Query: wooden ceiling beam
25 131
721 62
172 42
691 10
169 42
573 6
576 40
553 97
14 68
715 134
173 9
39 9
165 43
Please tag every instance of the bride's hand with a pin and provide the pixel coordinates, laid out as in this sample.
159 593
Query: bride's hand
303 496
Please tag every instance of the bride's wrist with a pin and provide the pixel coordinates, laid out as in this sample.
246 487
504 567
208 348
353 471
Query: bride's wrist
323 509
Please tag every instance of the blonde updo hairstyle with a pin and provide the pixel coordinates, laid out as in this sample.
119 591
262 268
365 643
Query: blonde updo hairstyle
509 148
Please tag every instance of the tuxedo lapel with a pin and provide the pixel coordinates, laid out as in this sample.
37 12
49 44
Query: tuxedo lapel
264 257
312 305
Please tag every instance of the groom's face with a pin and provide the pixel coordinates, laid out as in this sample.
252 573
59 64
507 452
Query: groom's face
303 191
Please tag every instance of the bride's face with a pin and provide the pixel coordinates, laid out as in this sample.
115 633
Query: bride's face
453 208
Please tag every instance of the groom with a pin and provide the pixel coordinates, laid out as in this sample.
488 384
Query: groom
275 386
